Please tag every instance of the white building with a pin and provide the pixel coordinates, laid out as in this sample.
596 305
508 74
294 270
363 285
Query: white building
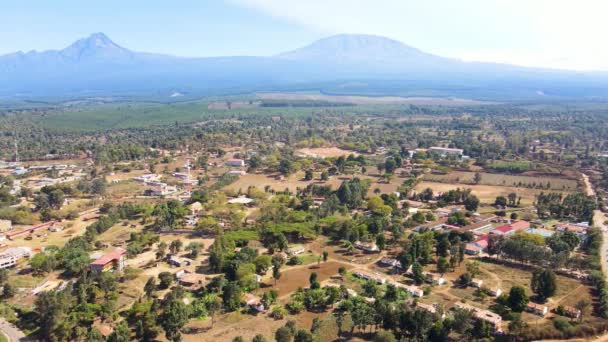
444 151
235 162
11 256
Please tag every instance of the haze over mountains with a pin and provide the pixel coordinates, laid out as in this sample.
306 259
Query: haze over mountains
342 64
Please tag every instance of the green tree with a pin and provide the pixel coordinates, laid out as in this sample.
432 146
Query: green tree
442 265
166 279
121 333
259 338
150 287
417 273
314 283
283 334
544 283
308 175
175 246
173 318
471 203
517 299
381 241
302 336
385 336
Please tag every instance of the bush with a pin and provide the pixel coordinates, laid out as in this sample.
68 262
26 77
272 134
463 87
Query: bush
295 260
278 312
295 307
562 324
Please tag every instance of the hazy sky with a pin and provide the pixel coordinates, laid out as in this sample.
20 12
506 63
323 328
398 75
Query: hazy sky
548 33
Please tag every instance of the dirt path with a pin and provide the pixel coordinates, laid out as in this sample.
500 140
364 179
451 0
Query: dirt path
598 220
588 188
11 332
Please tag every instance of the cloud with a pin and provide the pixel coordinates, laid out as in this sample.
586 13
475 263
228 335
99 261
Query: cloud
564 33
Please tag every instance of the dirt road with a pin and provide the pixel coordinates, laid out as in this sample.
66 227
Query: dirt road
11 332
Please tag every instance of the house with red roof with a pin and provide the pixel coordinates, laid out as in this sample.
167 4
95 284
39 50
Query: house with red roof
114 260
511 228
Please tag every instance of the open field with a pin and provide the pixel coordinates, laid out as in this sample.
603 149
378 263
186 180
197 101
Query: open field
295 181
298 276
486 193
326 152
557 184
444 101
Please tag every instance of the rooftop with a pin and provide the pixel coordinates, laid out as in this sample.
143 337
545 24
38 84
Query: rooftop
109 257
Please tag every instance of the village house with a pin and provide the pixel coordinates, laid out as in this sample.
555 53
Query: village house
112 261
369 247
571 312
472 249
191 220
476 283
161 189
390 262
444 151
537 309
447 211
414 291
368 276
430 308
541 232
177 261
147 178
477 246
434 278
192 280
433 225
235 162
296 250
578 230
11 256
474 227
511 228
487 316
253 302
495 292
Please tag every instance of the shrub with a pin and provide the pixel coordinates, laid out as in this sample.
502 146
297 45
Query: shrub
278 312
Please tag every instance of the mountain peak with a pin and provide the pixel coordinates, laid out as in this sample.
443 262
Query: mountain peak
356 47
93 45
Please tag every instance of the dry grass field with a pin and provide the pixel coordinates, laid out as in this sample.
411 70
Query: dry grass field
260 181
486 193
326 152
557 184
366 100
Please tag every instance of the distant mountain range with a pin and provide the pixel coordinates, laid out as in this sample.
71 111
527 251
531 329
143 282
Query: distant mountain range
341 64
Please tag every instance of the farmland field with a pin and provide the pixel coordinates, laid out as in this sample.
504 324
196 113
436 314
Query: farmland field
486 193
557 184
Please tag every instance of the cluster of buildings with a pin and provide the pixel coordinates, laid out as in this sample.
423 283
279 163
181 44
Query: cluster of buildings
154 185
18 170
11 256
443 151
10 234
484 315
